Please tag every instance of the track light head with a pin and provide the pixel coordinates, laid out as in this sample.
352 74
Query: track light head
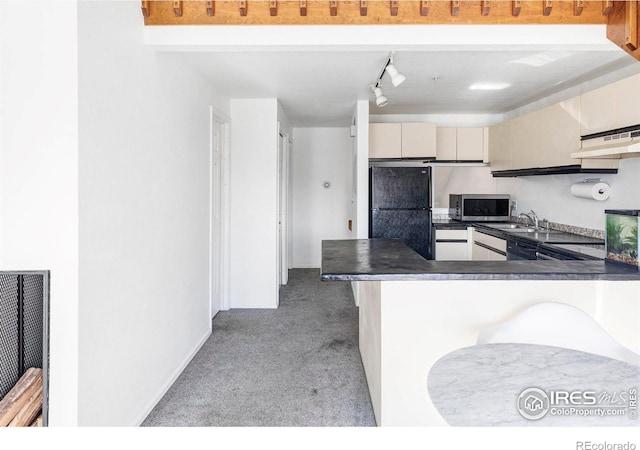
381 99
396 77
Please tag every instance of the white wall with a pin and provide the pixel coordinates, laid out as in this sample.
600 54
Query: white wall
254 200
361 170
549 195
320 155
39 173
144 215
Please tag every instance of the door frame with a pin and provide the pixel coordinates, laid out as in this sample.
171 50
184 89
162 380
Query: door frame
215 115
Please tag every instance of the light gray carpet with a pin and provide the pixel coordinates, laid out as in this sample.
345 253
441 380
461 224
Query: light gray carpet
298 365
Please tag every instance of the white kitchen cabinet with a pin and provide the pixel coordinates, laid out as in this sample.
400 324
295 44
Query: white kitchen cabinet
418 140
488 248
559 134
500 146
597 110
402 140
525 139
452 245
446 143
626 102
385 140
470 144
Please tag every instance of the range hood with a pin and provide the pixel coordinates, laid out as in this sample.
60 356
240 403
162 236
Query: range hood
611 144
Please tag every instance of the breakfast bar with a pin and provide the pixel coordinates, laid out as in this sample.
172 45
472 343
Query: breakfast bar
413 312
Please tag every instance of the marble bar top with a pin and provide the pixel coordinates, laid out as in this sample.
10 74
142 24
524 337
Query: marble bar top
391 260
491 385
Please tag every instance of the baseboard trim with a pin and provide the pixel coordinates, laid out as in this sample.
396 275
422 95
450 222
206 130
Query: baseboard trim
174 376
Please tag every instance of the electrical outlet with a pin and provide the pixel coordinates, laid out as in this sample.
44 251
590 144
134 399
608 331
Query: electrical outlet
514 207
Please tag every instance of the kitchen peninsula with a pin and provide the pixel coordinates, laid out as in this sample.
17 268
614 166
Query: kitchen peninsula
410 317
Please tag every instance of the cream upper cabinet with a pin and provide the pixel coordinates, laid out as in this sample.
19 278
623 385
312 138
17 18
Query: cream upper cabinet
470 144
500 146
418 140
560 133
626 102
525 139
446 143
597 110
460 144
385 140
402 140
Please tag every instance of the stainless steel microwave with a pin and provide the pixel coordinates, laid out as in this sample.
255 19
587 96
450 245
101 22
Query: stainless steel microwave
480 207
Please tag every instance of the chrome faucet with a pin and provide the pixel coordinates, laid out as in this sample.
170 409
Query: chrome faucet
533 217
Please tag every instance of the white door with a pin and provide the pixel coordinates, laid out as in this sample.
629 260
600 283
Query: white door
215 219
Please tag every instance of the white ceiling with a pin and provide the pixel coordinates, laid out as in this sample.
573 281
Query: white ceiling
319 86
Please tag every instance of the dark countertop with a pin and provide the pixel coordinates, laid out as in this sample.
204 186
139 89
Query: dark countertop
391 260
450 224
554 237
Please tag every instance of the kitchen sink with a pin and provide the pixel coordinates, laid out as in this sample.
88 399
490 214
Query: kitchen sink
508 226
535 230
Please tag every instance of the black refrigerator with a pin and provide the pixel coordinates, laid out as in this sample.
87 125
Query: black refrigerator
400 206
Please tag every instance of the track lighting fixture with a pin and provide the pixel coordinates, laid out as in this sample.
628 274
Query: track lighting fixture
381 99
397 79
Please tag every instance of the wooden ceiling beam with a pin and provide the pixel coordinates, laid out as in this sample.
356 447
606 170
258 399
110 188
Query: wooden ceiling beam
622 26
319 12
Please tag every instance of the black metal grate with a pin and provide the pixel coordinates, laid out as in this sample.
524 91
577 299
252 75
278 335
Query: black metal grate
22 309
9 372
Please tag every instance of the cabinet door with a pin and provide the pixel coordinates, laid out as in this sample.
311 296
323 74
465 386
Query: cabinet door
446 144
525 136
626 102
596 110
479 253
451 251
470 144
500 146
385 140
418 140
560 133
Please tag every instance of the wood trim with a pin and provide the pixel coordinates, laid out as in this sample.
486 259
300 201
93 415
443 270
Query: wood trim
622 26
363 7
548 6
316 12
393 7
273 8
607 6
